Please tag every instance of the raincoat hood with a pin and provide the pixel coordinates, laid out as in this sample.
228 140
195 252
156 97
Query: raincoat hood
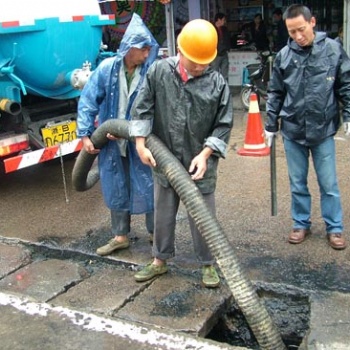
137 35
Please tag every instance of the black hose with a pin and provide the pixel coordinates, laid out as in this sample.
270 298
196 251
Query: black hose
242 290
84 175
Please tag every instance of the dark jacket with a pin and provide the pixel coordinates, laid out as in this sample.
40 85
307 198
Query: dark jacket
304 90
259 37
185 116
282 35
224 40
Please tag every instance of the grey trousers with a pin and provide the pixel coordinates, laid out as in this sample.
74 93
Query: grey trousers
121 222
221 64
166 206
121 219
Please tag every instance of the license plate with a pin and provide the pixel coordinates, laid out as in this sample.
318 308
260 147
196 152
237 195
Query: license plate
59 133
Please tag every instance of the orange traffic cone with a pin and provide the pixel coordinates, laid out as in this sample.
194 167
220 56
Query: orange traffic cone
254 144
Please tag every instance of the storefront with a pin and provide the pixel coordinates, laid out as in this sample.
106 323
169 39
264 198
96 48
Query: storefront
240 13
237 61
330 15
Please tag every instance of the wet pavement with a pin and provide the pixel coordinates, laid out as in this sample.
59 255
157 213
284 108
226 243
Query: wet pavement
52 264
66 304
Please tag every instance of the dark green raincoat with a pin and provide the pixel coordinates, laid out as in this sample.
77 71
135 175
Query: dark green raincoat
185 116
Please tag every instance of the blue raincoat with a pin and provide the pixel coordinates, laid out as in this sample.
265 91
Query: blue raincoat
100 96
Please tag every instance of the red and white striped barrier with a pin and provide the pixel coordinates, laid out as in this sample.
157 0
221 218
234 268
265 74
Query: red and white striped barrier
41 155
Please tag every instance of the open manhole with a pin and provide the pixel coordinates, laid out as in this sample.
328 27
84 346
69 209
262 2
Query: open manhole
289 310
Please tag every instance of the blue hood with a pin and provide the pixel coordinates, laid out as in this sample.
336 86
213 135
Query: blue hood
137 35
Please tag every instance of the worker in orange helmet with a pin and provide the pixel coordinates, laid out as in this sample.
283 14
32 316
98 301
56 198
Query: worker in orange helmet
186 104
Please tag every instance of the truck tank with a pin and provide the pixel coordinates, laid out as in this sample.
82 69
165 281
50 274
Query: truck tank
47 50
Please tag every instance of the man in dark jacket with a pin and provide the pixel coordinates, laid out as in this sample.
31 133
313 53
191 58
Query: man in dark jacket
281 30
309 74
188 106
221 62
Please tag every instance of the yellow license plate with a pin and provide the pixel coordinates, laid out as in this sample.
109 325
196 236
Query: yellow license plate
59 133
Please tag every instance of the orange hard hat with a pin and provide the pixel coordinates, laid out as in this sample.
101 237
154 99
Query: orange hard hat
198 41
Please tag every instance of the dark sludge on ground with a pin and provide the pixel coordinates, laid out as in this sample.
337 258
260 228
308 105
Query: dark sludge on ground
290 310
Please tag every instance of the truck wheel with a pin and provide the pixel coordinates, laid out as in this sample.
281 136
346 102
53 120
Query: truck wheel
245 97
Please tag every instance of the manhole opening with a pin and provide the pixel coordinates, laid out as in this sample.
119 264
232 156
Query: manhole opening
289 311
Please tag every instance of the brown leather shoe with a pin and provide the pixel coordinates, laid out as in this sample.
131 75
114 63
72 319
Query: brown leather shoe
336 240
298 235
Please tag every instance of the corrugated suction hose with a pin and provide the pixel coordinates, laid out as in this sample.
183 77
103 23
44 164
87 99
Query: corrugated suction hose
242 290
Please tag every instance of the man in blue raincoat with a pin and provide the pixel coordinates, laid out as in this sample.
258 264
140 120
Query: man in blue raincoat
127 184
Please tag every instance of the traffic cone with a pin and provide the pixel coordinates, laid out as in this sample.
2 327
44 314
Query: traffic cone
254 144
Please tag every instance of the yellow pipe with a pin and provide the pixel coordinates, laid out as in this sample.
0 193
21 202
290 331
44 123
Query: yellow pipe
9 106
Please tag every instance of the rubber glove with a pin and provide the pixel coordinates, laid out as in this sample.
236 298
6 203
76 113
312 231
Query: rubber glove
346 126
269 137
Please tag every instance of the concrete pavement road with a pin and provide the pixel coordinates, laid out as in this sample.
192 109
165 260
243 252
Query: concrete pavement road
34 213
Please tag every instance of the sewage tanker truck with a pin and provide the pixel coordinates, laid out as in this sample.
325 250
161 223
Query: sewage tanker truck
48 49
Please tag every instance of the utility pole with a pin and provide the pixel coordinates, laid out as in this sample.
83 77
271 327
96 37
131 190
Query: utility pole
170 33
346 27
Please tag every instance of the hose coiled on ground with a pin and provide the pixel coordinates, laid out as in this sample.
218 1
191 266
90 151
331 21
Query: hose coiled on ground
242 290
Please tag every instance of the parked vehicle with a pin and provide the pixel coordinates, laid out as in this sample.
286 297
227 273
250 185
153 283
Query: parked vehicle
47 53
256 77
